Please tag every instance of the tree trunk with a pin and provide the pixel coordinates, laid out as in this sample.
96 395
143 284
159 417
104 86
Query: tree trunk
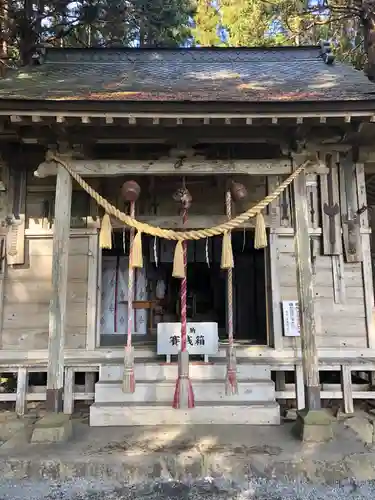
28 36
368 26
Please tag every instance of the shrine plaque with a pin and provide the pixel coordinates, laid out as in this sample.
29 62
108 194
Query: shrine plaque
202 338
291 318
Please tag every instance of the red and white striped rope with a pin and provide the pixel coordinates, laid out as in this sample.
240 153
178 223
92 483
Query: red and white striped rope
228 205
130 282
183 290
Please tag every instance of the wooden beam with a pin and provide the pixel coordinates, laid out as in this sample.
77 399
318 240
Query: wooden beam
57 318
306 295
347 389
350 217
277 322
68 390
22 386
368 285
172 166
4 211
202 115
92 294
366 154
328 148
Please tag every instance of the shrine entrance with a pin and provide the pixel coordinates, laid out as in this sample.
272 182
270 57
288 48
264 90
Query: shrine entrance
157 292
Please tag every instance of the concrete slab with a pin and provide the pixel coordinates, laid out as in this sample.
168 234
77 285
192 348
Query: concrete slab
20 439
313 426
362 427
52 428
136 454
10 424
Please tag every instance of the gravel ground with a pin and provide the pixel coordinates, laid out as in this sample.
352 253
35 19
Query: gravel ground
208 489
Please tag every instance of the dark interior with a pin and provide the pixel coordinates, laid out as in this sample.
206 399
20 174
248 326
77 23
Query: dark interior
206 286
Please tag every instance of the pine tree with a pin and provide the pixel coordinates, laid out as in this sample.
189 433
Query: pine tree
206 24
245 22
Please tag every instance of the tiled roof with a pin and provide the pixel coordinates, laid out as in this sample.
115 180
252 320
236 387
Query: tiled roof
234 75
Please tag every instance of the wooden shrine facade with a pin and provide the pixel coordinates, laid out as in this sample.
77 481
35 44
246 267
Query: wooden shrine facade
319 230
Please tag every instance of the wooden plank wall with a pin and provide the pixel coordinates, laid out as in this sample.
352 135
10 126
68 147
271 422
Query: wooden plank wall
341 313
27 287
28 292
338 325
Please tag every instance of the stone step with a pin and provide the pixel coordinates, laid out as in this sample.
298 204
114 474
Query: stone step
117 414
163 391
198 371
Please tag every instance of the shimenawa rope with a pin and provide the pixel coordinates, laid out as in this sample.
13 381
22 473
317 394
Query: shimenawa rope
169 234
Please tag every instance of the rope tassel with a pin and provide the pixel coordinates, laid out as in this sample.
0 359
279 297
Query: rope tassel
231 386
260 232
178 261
183 394
105 235
227 261
136 256
129 377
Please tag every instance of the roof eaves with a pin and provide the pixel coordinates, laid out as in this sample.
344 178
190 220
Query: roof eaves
297 108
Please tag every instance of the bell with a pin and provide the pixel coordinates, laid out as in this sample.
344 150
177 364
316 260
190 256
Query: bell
130 191
238 191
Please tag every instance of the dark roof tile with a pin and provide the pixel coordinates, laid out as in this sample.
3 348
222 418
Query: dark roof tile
251 75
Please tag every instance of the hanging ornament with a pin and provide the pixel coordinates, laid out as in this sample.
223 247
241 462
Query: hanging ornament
238 191
184 198
130 191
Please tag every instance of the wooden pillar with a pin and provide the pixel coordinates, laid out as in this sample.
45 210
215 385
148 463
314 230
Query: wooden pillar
306 296
57 314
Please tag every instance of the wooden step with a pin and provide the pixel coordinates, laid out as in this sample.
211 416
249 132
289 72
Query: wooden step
198 371
117 414
204 391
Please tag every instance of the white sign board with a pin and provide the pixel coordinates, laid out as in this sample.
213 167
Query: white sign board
202 338
291 318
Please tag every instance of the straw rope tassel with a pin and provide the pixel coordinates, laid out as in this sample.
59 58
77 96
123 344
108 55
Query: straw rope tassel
169 234
231 386
260 240
105 235
129 378
183 395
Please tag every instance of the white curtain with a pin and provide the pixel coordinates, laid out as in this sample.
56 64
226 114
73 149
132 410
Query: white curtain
114 312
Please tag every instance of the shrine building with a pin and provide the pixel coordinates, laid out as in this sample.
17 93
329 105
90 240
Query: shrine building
186 233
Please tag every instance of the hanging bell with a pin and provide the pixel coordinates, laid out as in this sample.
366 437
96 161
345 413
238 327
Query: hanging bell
130 191
238 191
